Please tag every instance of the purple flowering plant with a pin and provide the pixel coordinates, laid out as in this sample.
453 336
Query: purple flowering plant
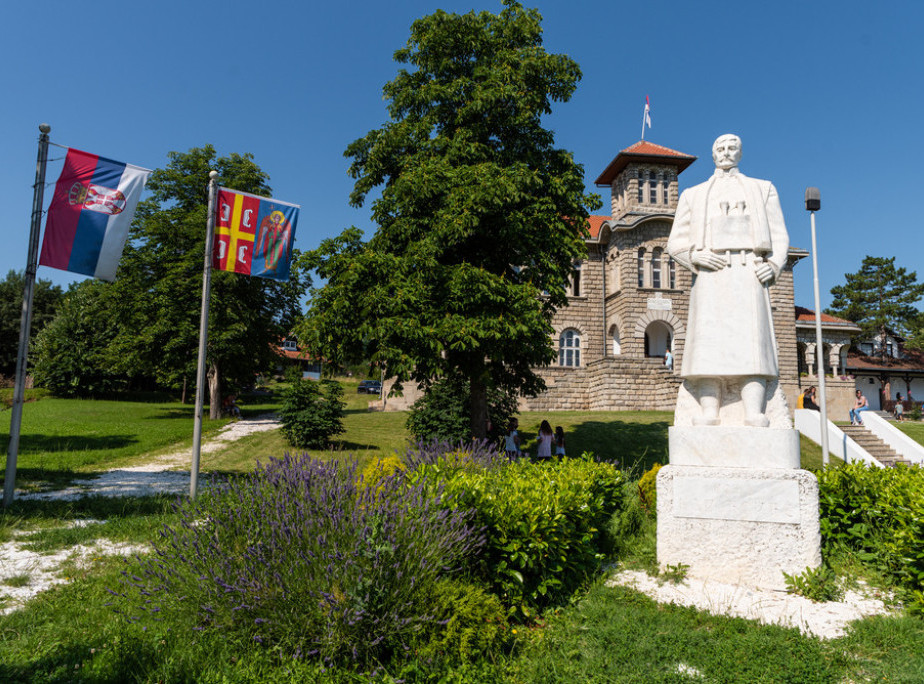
302 557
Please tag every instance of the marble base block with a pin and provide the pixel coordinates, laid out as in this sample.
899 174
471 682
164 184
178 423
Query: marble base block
734 447
738 525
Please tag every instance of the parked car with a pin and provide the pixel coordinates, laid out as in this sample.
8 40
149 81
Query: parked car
369 387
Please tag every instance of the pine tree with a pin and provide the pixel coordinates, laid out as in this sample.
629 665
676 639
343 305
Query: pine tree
880 298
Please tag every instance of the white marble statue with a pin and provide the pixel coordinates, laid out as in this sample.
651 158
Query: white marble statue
729 232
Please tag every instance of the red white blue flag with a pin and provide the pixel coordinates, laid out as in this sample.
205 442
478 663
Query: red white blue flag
90 214
254 235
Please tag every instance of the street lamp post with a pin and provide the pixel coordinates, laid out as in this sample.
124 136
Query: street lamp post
813 204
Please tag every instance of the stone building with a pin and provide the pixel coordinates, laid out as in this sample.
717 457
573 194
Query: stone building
628 301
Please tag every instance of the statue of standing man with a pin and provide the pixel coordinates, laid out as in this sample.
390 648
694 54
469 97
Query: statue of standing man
729 232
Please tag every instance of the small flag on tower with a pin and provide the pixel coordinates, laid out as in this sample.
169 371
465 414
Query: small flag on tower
90 214
253 234
646 117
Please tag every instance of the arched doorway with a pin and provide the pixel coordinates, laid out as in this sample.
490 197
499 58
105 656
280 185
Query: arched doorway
659 337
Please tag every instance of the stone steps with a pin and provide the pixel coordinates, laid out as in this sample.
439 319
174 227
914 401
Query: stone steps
874 446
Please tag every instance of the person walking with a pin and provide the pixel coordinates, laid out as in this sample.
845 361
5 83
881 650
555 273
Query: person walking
668 360
899 408
559 441
861 404
546 437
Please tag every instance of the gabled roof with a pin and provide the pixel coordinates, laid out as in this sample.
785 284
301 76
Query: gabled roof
643 151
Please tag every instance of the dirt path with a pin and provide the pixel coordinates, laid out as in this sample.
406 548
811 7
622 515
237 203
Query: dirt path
160 474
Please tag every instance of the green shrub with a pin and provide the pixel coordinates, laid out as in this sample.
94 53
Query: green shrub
879 514
443 412
378 470
816 584
473 621
312 412
648 489
544 523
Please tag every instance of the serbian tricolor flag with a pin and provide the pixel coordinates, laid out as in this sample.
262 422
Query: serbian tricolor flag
253 235
90 214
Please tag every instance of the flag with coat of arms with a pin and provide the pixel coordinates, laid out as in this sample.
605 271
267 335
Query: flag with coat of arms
90 214
253 234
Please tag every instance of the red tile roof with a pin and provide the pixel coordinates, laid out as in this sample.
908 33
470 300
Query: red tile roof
596 223
804 315
640 152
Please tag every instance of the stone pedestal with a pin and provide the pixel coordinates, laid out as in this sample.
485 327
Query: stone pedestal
734 506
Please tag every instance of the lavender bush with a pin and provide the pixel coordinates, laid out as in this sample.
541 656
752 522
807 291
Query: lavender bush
478 454
301 557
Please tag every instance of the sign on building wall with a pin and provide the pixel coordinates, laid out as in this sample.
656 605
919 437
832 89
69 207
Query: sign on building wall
659 304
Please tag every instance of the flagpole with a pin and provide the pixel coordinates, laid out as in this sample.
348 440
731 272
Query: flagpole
203 336
25 323
644 115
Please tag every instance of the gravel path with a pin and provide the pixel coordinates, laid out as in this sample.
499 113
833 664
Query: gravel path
24 573
160 475
826 620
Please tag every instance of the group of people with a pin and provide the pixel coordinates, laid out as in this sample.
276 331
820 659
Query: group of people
808 400
547 440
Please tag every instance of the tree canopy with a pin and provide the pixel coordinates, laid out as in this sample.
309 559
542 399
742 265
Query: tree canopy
879 298
480 218
45 301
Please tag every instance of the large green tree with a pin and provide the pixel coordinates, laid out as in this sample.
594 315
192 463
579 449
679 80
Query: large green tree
159 285
480 218
45 301
72 354
879 298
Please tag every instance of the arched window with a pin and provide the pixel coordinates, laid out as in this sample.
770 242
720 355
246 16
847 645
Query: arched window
569 348
641 267
671 274
614 335
656 267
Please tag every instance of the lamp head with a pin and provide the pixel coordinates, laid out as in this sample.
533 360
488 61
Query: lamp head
812 199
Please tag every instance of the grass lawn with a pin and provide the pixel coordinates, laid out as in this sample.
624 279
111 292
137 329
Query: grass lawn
914 429
61 437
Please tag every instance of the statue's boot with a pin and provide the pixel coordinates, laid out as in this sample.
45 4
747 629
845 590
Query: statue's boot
708 402
753 396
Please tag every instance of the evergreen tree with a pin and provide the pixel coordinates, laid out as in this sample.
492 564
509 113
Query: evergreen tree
879 298
480 217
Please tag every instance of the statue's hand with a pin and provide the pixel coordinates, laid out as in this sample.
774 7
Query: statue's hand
708 260
765 273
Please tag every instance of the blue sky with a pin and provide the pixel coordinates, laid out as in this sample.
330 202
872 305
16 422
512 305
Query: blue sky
822 93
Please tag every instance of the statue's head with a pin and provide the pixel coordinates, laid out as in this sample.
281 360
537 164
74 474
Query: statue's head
726 151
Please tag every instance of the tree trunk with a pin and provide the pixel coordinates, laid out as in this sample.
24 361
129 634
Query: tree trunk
214 392
478 398
183 395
